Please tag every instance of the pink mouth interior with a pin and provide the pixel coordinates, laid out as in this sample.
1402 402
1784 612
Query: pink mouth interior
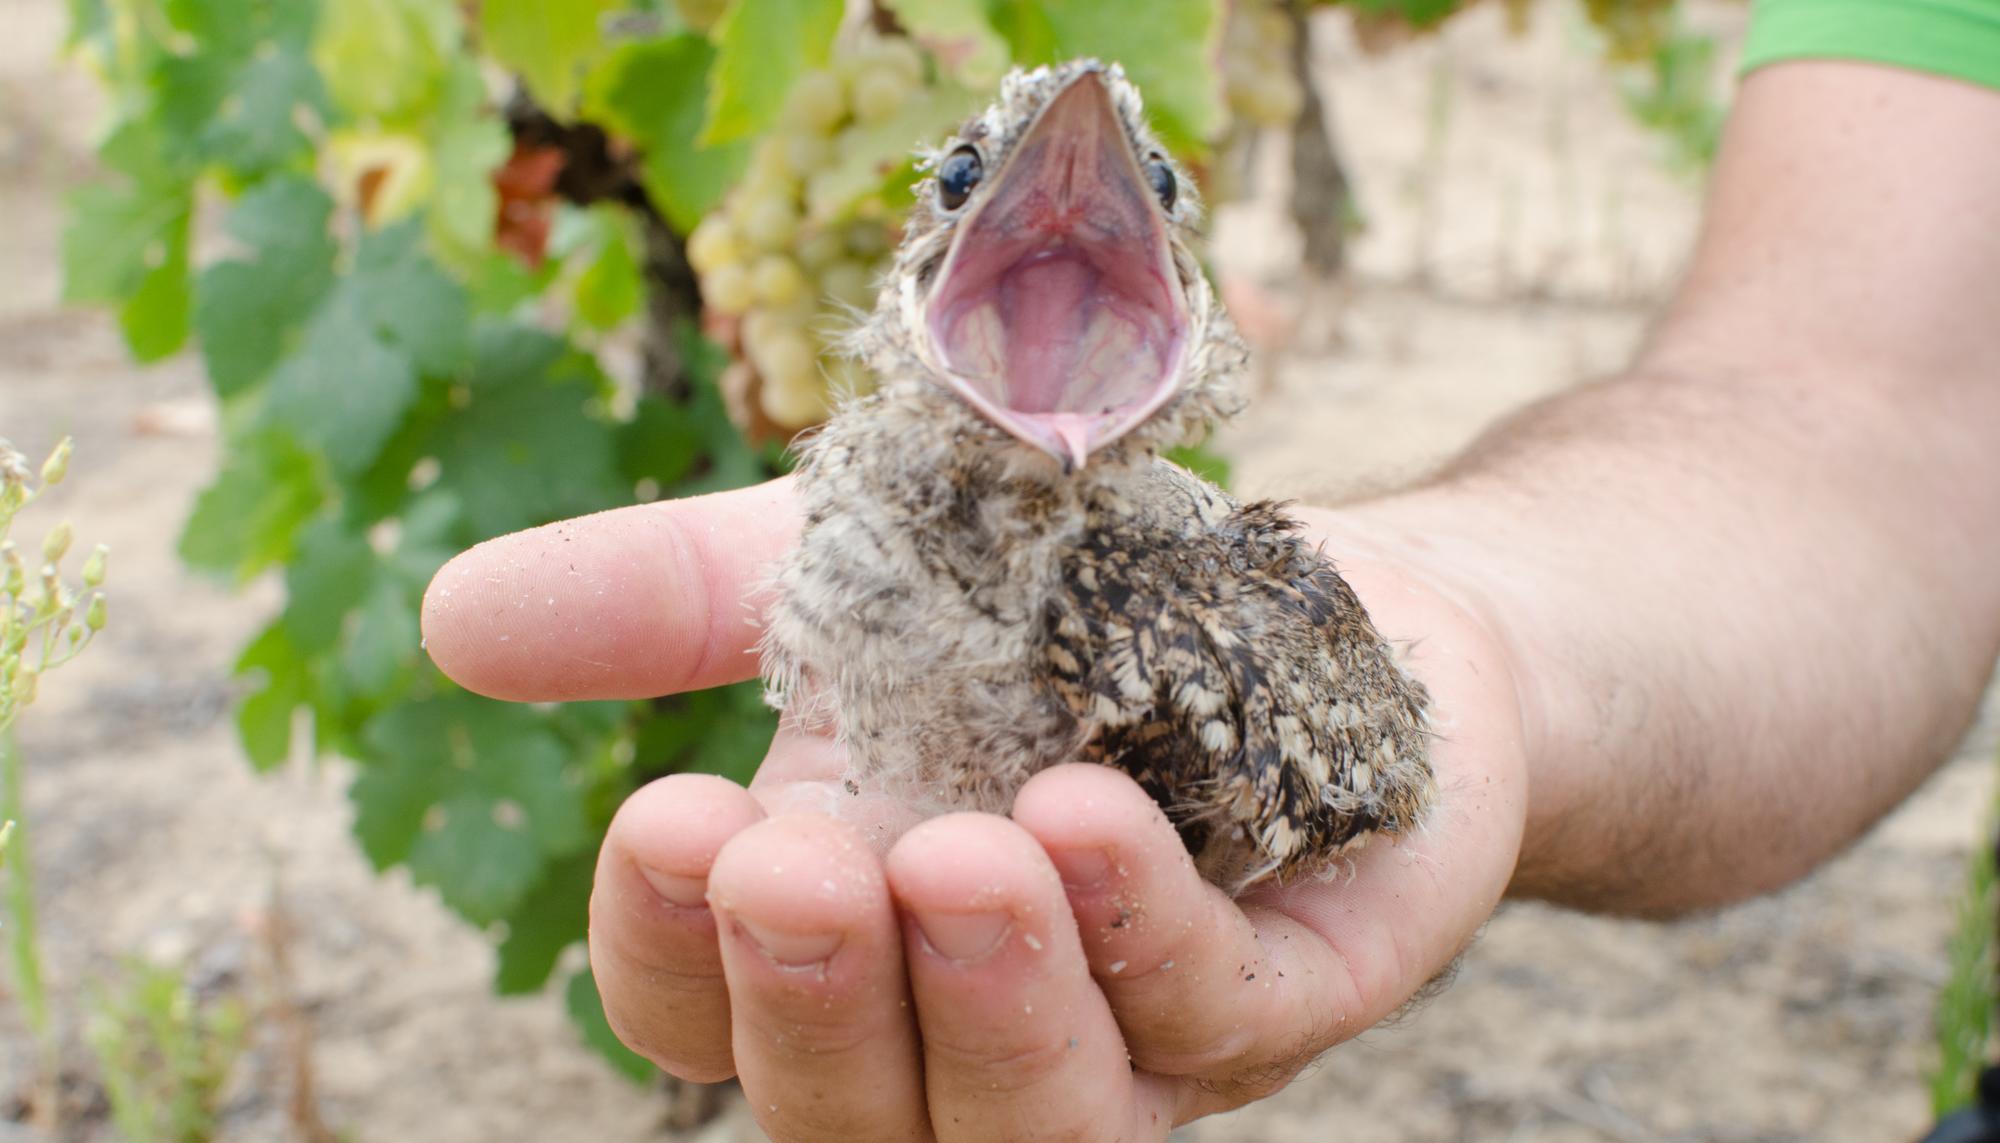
1053 315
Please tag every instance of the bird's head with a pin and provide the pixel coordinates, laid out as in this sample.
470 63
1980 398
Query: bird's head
1046 277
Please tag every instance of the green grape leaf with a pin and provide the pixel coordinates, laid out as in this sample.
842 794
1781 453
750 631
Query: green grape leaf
391 795
672 728
499 283
246 519
353 378
554 915
234 27
154 319
432 532
660 443
1200 460
508 355
384 641
384 59
725 731
654 93
586 724
586 1011
546 42
284 219
116 236
479 864
763 46
528 447
346 389
470 794
126 244
608 289
327 577
410 301
385 490
240 95
242 324
705 358
247 309
189 94
467 143
264 716
732 463
1165 45
522 799
960 33
1025 26
738 738
256 125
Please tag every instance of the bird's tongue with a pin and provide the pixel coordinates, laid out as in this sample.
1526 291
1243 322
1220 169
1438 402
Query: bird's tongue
1053 315
1045 308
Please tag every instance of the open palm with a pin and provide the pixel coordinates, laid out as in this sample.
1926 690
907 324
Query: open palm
1062 973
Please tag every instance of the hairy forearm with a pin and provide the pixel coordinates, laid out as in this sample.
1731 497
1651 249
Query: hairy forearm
1749 589
1738 642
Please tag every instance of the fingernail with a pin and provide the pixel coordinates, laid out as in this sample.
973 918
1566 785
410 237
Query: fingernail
1082 868
790 950
964 936
687 892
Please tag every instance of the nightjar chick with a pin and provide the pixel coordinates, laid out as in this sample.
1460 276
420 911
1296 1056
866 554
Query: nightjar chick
999 573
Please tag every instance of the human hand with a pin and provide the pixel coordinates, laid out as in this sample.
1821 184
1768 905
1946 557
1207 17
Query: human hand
1060 974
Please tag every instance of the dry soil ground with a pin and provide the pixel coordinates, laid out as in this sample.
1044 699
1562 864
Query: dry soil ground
1519 230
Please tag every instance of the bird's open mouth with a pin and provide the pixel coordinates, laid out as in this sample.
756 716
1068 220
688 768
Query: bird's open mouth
1058 313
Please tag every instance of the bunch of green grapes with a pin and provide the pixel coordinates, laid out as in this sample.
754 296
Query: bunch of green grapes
1257 75
801 242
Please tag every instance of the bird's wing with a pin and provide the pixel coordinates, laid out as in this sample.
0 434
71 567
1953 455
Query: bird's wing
1223 662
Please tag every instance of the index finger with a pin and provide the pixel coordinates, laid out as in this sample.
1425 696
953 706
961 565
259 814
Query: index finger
630 603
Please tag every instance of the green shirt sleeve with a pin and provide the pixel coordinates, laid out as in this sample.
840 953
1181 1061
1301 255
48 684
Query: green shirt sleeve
1958 38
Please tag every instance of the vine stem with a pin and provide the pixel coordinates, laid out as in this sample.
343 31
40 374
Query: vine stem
25 939
1322 196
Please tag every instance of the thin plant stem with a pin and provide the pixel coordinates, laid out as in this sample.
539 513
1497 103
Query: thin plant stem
1966 1005
23 937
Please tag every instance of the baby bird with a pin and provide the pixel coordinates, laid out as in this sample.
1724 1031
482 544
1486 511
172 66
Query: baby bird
999 573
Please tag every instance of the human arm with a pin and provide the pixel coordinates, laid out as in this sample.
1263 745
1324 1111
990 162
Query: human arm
1750 587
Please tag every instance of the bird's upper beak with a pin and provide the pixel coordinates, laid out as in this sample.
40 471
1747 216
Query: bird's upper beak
1059 314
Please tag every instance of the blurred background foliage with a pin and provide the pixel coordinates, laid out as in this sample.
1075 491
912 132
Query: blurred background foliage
462 267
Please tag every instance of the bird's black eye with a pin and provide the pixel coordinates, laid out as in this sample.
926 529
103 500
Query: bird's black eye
1165 185
957 175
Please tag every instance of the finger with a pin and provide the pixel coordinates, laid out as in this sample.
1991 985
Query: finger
631 603
1195 989
652 936
808 773
1018 1043
824 1038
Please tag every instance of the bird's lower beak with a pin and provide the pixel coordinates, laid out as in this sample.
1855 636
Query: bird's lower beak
1059 314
